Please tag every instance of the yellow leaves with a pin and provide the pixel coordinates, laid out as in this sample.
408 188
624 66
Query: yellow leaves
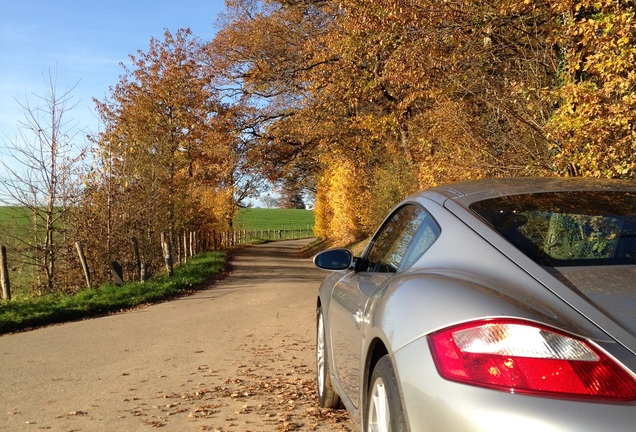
337 202
624 168
623 42
594 123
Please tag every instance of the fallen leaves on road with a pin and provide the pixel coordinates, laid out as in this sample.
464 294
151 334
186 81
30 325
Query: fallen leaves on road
274 392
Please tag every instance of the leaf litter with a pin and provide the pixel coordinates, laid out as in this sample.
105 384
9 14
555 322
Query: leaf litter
274 392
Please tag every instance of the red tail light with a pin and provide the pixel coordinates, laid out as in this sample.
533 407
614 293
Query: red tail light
523 357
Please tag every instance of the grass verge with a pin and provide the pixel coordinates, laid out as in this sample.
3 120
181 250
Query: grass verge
28 313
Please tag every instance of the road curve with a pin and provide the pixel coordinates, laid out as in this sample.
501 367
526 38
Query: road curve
237 356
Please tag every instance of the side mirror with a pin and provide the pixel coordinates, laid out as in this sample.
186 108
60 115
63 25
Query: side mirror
334 259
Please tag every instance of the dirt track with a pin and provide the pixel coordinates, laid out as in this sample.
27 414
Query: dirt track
238 356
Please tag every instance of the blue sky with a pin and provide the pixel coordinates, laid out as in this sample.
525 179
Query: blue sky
85 41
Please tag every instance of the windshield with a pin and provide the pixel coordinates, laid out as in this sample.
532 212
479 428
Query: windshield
567 228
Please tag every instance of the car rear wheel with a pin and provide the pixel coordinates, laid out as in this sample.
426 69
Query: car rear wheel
327 396
384 410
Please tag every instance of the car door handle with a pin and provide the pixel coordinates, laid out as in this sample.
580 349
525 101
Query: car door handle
358 318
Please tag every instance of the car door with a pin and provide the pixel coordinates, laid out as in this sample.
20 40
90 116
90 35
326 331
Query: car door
348 310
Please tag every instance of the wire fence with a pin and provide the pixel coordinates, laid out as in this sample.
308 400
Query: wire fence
176 251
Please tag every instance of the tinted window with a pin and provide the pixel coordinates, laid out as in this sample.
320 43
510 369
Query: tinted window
567 228
428 233
400 242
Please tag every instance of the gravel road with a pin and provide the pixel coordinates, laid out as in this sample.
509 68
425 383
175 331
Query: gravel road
237 356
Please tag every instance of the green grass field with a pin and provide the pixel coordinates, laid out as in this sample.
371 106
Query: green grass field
16 217
257 219
15 224
16 230
249 219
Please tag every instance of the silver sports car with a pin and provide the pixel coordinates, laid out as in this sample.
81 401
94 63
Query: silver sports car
493 305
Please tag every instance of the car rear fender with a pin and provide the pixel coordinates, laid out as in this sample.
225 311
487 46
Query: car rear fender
414 305
472 225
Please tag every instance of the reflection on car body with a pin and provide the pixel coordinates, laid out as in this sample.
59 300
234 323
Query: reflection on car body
484 306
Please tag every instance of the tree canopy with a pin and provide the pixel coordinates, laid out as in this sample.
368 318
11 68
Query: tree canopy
366 101
357 103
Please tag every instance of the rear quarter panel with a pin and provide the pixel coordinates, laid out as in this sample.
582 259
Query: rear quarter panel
460 278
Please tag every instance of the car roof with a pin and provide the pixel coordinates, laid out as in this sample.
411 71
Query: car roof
468 192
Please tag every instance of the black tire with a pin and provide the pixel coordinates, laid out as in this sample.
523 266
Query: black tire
384 412
327 396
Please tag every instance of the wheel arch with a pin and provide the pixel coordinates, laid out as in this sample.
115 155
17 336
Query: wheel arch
377 350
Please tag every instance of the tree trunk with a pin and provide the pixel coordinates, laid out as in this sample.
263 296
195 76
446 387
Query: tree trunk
138 261
82 257
166 246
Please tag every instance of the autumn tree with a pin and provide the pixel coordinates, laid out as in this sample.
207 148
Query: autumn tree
291 197
165 158
366 101
381 98
275 61
264 57
460 83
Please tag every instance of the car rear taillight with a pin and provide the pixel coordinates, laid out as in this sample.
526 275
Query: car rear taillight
523 357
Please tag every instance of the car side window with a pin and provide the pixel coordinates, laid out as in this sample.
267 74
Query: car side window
426 236
392 243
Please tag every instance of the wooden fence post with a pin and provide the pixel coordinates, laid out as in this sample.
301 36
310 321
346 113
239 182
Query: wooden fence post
166 247
185 247
4 275
139 267
82 258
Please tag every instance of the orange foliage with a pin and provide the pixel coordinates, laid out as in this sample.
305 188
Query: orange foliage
366 101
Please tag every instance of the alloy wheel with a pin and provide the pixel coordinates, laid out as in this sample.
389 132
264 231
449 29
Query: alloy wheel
320 356
379 413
